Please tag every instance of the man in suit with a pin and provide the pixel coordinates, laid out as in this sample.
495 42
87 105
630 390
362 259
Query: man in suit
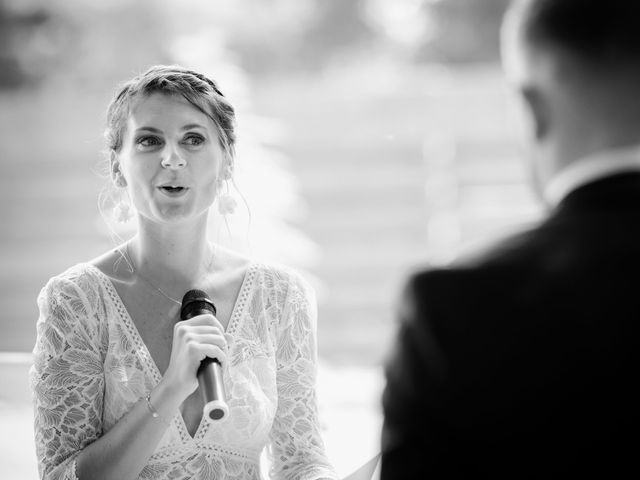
523 363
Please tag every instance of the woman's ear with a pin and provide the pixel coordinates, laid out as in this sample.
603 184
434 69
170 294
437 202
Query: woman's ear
116 173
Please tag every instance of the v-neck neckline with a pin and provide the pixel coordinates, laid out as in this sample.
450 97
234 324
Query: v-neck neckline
145 355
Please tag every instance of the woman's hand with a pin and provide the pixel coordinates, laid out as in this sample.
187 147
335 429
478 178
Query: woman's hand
193 340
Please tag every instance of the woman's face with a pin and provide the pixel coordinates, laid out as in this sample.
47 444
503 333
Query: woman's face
170 158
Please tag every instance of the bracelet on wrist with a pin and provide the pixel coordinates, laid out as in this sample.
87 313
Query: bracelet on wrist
150 407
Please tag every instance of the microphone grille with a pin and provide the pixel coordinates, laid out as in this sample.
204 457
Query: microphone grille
196 302
195 296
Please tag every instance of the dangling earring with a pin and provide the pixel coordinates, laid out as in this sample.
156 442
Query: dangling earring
122 212
226 203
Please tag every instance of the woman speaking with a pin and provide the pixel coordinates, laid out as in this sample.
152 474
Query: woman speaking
114 377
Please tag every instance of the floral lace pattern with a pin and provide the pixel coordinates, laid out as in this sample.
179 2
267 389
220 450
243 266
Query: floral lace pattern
91 366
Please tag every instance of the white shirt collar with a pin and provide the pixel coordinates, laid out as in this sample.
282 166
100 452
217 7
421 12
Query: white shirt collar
593 167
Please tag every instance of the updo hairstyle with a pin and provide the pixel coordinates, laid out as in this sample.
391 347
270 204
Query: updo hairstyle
197 89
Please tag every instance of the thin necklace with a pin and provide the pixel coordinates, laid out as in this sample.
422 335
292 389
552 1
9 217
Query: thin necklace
148 282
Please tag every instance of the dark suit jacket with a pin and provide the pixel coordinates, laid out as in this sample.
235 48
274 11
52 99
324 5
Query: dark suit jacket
524 363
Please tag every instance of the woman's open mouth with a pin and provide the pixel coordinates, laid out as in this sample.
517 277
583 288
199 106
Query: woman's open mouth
173 190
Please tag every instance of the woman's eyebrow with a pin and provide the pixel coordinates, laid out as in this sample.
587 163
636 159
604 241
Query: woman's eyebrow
193 125
157 130
149 129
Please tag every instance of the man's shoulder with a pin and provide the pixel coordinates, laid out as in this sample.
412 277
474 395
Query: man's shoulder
500 265
481 256
507 250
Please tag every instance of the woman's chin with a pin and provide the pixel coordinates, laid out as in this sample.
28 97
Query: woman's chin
179 215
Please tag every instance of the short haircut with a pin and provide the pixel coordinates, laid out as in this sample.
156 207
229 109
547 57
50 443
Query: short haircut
599 33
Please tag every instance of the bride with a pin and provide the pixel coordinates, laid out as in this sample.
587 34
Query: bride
114 375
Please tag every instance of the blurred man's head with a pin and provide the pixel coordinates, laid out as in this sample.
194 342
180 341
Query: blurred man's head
577 65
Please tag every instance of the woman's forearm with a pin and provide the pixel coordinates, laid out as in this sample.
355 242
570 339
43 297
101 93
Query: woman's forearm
123 452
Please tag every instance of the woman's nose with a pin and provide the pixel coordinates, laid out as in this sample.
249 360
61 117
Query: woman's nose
171 158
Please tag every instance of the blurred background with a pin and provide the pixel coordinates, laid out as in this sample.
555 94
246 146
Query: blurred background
375 137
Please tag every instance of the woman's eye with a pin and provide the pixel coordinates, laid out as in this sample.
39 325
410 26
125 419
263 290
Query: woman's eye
148 141
193 140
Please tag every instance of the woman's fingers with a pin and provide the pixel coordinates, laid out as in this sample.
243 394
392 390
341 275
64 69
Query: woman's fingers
199 351
211 343
213 351
208 339
184 330
202 320
200 325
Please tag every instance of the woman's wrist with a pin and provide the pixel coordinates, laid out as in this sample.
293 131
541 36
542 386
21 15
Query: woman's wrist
164 401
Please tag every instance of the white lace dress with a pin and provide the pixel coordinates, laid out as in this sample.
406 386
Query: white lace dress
91 366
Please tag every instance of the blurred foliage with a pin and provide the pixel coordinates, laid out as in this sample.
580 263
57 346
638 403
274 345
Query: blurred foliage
339 25
28 40
267 37
39 38
466 31
87 44
309 39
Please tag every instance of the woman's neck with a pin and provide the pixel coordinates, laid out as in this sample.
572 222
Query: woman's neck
171 257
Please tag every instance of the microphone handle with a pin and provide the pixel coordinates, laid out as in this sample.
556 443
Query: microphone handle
212 389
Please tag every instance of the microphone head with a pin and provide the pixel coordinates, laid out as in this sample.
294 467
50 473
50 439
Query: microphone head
196 302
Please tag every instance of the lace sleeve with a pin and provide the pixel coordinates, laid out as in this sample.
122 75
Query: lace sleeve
66 378
296 445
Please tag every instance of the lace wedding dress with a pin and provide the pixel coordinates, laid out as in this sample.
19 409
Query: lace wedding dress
91 366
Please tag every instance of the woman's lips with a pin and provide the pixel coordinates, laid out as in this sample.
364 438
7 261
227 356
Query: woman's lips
173 191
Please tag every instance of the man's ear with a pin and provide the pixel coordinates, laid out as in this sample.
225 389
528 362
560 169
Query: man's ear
116 173
537 105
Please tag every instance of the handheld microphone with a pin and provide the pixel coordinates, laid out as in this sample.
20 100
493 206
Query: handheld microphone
197 302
